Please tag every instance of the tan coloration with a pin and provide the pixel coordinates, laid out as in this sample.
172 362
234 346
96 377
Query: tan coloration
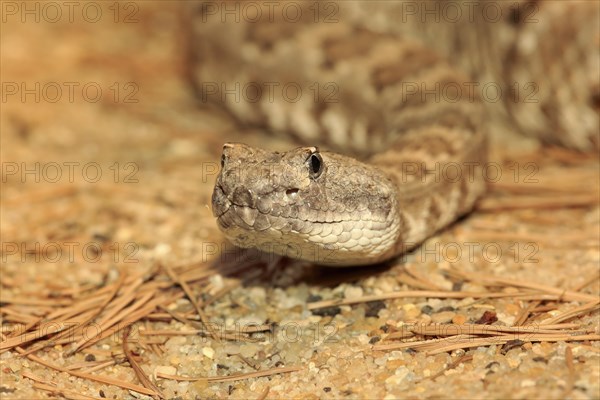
346 213
384 93
538 74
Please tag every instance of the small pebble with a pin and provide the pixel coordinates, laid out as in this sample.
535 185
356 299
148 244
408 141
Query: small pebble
231 348
373 308
14 367
257 293
363 339
248 350
140 396
217 282
505 319
399 376
208 352
528 383
411 311
443 317
511 344
313 298
164 369
512 309
427 309
327 311
353 292
513 359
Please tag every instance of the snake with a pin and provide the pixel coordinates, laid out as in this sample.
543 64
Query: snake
394 133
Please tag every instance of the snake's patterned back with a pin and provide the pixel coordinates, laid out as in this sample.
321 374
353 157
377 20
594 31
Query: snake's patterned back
400 84
533 63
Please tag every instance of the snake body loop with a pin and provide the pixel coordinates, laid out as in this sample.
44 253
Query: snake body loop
412 125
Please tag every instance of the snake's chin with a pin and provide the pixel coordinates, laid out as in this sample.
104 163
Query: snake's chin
246 227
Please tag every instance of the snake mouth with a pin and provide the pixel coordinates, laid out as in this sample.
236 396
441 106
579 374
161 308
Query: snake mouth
242 217
231 215
233 219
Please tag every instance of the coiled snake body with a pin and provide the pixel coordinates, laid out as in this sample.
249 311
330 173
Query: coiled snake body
416 137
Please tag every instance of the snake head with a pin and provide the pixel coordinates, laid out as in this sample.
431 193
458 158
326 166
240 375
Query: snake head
256 181
302 201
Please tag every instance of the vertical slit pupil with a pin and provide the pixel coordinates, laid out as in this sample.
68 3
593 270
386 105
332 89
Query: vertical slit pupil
315 164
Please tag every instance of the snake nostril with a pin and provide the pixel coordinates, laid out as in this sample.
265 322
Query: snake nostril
292 193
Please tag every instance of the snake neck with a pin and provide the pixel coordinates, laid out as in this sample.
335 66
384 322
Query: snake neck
438 174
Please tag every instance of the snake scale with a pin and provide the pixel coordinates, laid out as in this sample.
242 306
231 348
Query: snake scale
395 89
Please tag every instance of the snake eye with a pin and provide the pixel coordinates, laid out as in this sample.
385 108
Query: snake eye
315 165
222 161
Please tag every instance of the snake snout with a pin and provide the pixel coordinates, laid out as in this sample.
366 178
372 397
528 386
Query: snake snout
220 203
243 196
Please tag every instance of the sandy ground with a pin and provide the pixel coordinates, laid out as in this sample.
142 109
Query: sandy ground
108 162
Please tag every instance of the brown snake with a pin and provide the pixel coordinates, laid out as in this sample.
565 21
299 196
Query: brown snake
412 123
